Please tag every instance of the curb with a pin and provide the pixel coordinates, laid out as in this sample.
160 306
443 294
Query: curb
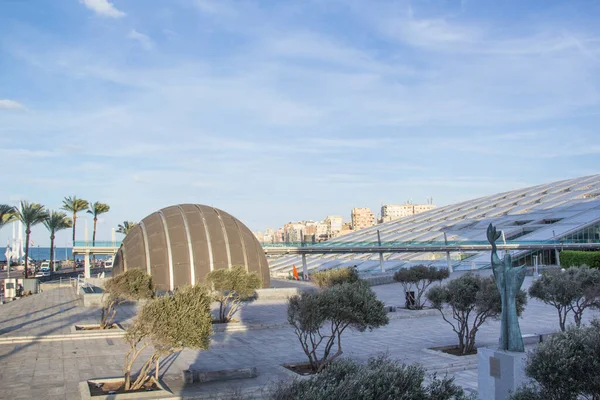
54 338
250 327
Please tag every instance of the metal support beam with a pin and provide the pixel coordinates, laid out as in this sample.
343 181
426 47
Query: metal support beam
557 253
381 268
448 260
304 268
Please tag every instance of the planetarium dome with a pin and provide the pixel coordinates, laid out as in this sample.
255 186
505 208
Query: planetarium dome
181 244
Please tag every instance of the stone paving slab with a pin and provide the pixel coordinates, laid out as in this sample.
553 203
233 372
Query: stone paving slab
54 369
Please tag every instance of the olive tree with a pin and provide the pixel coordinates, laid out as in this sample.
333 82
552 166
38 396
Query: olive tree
130 285
380 378
231 287
319 319
573 290
328 278
420 277
169 324
566 367
472 299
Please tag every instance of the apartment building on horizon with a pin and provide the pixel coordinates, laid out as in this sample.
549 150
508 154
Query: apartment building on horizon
362 217
391 212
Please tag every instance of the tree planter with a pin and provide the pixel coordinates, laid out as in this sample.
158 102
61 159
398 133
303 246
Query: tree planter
95 329
453 350
88 390
229 326
191 376
300 368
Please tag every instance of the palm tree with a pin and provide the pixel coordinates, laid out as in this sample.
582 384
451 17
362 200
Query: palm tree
30 214
7 214
74 205
126 227
55 221
96 209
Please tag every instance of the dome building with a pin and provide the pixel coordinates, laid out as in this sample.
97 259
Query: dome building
181 244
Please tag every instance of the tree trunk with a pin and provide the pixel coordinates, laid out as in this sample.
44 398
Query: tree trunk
27 233
461 342
94 233
74 223
52 253
577 317
562 319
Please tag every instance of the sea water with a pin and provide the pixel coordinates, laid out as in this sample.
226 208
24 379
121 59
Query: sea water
60 253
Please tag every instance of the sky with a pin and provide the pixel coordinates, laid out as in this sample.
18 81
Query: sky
279 111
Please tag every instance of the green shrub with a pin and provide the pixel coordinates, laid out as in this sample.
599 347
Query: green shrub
379 379
231 287
472 299
566 367
321 318
419 277
168 324
573 290
332 277
133 284
576 258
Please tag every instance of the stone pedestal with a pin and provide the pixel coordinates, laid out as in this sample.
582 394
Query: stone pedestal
499 373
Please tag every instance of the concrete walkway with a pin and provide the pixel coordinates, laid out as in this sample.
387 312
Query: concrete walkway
52 370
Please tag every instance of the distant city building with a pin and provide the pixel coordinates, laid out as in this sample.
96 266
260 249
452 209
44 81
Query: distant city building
269 236
346 229
259 236
322 231
333 224
362 217
279 235
391 212
293 231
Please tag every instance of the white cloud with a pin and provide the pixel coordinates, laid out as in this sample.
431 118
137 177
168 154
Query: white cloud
144 40
103 8
6 104
214 7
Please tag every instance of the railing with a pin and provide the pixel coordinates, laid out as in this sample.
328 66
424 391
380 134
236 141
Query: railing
88 243
420 244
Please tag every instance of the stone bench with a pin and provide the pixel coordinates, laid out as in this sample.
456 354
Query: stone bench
196 376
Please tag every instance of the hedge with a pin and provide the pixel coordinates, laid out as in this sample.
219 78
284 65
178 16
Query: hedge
575 258
332 277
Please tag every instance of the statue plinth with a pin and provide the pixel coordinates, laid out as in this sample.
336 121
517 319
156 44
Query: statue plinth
500 372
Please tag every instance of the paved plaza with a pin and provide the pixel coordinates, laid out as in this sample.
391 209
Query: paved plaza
41 358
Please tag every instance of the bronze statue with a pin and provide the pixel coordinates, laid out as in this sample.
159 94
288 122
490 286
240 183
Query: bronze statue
508 281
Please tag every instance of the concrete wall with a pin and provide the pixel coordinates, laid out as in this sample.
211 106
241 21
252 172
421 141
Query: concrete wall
281 293
381 279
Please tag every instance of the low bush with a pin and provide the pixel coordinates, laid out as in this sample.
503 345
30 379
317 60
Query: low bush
133 284
471 300
419 278
576 258
379 379
566 367
168 324
319 319
231 287
332 277
573 290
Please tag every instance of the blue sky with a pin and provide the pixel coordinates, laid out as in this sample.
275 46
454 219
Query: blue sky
285 110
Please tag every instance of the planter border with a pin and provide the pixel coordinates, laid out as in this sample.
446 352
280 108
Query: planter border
84 391
117 328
